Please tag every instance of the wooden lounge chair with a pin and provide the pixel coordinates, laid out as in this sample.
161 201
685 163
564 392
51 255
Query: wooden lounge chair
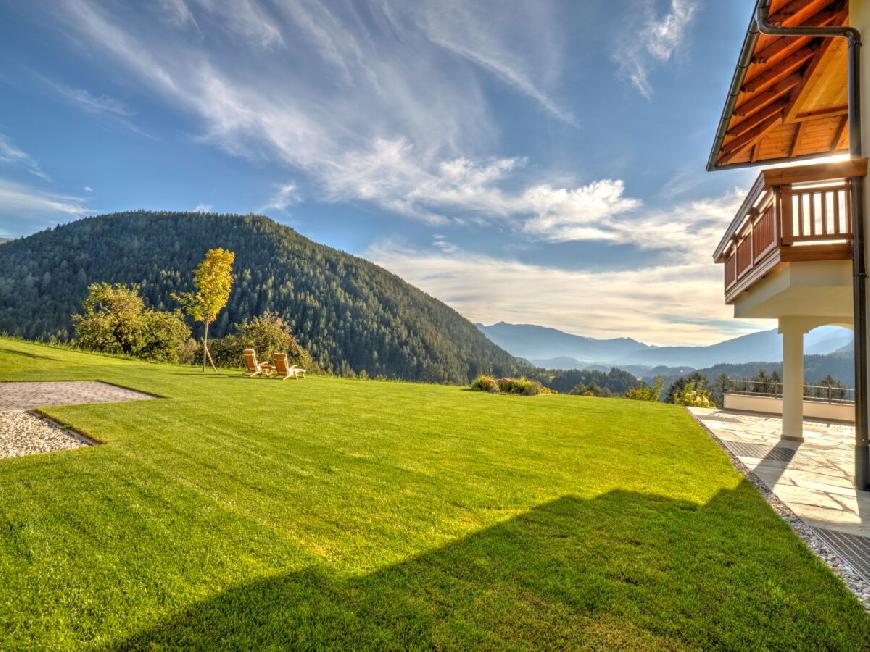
284 370
252 367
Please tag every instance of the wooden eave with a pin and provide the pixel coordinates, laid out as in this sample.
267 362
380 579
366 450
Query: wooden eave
788 97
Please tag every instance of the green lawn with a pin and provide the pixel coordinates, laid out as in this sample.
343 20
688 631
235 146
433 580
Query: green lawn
252 513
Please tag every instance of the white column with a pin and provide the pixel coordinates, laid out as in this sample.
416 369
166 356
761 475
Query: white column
792 378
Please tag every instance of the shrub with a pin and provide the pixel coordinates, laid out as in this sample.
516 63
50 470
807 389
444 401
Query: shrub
645 392
268 334
582 389
115 320
520 386
692 395
164 336
484 383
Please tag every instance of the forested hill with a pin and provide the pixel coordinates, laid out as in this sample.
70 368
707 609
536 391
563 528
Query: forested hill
348 312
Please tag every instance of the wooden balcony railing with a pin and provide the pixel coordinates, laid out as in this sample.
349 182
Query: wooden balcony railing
791 215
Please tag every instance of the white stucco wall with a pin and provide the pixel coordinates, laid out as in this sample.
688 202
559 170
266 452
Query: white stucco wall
773 405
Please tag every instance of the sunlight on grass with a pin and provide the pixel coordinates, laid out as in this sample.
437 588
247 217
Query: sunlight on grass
253 512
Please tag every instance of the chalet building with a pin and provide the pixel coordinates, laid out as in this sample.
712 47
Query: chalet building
795 251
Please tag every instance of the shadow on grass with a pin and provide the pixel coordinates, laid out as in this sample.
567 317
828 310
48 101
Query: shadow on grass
24 354
623 570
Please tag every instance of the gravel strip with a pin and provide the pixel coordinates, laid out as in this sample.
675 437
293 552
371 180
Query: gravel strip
841 566
28 395
25 433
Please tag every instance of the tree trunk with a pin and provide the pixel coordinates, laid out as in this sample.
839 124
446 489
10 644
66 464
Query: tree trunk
205 355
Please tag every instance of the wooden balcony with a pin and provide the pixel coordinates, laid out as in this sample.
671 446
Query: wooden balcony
793 214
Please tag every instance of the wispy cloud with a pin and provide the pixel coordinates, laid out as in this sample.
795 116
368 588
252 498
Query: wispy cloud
203 208
655 40
101 105
285 196
93 103
26 202
658 305
372 132
466 30
13 156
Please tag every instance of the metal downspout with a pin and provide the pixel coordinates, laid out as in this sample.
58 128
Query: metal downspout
859 272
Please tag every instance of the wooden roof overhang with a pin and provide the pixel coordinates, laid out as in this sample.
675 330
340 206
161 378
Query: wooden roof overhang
788 96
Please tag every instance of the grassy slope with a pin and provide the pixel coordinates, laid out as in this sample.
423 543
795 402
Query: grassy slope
327 512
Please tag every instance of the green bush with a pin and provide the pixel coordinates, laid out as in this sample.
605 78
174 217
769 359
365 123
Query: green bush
692 395
266 334
520 386
646 392
114 320
484 383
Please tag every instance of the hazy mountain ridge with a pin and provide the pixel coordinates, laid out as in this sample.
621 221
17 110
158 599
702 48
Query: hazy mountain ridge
578 352
348 312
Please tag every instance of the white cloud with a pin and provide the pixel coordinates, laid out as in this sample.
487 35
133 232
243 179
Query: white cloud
656 39
92 103
466 30
202 208
27 203
370 132
88 189
285 196
583 213
176 13
659 305
11 155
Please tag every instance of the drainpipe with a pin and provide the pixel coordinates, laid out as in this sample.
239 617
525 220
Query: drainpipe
859 272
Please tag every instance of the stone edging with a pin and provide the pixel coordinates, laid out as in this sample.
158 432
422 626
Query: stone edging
839 565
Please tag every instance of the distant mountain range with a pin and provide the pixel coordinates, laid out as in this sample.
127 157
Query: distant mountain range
554 349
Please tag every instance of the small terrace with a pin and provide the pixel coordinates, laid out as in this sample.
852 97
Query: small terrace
791 215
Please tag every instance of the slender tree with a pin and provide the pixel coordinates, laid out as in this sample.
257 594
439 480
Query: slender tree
213 280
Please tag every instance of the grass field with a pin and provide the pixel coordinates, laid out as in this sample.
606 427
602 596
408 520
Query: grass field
252 513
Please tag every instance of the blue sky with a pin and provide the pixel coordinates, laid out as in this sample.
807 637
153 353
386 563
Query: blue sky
536 162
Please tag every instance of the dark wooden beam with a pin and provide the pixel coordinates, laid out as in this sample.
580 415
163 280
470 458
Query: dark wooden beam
774 72
766 97
758 117
801 12
833 112
739 144
839 131
794 141
785 43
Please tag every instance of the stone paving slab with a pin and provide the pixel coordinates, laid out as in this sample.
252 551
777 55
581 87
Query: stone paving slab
816 482
809 484
28 395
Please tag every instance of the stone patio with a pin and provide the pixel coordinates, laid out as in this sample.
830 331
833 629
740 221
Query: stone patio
813 479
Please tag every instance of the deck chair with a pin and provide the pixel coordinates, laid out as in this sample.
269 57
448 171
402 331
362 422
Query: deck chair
252 367
284 370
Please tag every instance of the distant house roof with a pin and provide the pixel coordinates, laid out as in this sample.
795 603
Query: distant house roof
788 96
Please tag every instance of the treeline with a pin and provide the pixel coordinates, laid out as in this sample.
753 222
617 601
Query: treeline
349 314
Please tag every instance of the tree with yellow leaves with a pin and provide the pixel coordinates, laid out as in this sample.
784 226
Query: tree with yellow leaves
213 280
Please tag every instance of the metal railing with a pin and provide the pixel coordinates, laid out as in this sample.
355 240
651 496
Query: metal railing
773 388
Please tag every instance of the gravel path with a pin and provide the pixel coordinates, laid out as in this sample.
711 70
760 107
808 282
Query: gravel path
24 433
24 396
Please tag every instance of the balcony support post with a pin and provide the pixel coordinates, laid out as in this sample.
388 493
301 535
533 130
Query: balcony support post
792 331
